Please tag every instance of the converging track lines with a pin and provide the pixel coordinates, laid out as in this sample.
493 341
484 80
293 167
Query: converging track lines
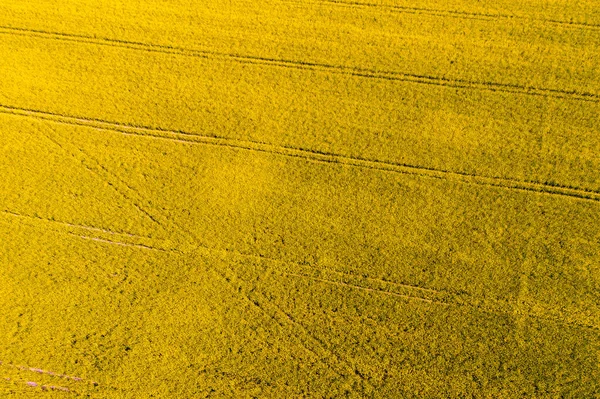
312 66
311 155
84 231
407 292
358 287
67 224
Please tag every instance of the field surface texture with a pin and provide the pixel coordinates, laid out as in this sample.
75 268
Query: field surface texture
299 199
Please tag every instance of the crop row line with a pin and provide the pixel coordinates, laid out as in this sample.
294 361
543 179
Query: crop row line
310 155
314 66
344 279
450 13
57 225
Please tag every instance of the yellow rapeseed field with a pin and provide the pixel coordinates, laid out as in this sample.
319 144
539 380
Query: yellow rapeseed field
300 199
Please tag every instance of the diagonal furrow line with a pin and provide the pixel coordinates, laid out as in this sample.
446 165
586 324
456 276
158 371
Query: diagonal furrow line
123 182
228 279
110 183
358 281
301 265
90 229
358 287
155 133
317 348
246 294
303 65
124 244
46 372
233 280
378 280
192 235
498 306
353 372
443 298
452 13
313 156
71 225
